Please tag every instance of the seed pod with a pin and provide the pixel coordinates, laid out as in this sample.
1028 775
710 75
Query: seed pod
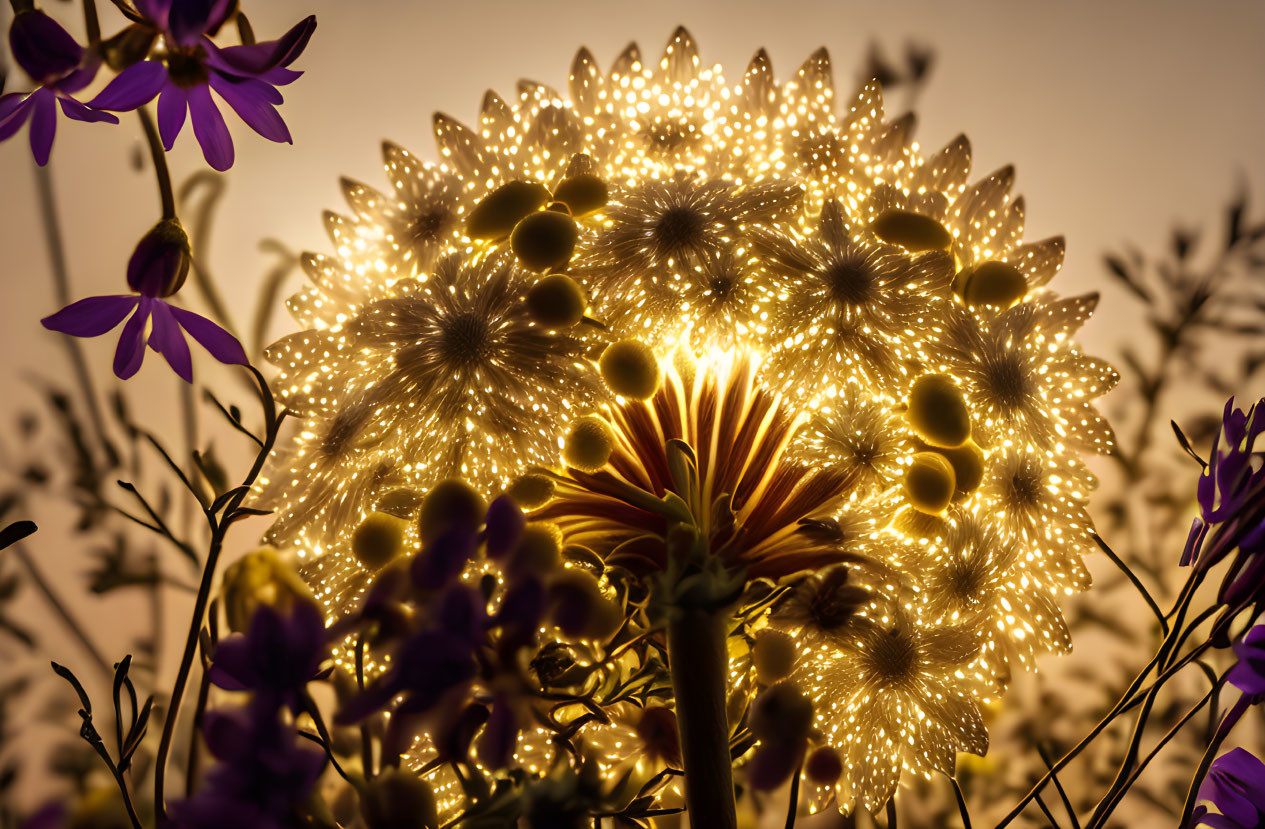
823 766
781 714
911 231
378 539
544 240
532 490
630 369
539 550
398 799
929 483
556 301
583 193
938 412
967 461
773 655
496 215
451 504
994 283
589 444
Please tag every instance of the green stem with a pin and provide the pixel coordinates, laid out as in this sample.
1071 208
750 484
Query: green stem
159 156
699 658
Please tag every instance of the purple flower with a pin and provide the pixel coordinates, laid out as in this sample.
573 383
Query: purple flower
1231 480
246 76
264 776
1231 494
1236 786
60 68
277 657
1248 674
156 270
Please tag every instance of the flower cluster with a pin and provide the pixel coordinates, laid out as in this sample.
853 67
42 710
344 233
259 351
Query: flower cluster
1232 509
728 340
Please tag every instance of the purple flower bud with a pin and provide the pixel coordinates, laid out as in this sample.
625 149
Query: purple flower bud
496 743
772 763
43 49
160 263
505 525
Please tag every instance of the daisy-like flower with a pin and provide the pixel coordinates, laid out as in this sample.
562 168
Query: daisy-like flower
190 65
725 302
891 700
659 237
1038 500
156 270
1028 381
408 226
60 67
455 377
979 580
859 433
754 506
847 309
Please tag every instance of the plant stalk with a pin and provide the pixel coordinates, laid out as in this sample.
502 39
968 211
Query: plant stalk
699 658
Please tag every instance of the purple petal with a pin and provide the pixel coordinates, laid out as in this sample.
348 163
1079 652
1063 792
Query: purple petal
15 108
505 524
210 129
252 101
131 351
42 47
78 79
172 106
168 340
188 20
79 112
221 344
258 58
154 10
135 85
43 125
91 317
280 76
231 667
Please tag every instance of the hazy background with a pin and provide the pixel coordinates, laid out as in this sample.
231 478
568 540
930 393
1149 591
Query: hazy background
1122 118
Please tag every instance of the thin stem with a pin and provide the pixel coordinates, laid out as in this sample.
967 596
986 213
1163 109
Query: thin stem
1046 811
72 624
1129 574
92 24
1110 805
962 810
892 822
794 798
1067 803
366 739
1223 731
219 528
159 156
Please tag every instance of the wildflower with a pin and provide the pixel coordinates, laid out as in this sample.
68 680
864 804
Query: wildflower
60 67
276 657
1248 675
156 270
1236 786
245 76
264 774
1232 510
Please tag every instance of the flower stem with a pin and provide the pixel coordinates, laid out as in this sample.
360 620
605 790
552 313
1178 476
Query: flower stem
92 23
219 529
1192 795
159 155
699 658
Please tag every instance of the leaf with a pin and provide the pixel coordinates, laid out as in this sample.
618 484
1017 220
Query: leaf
68 675
15 532
1185 444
